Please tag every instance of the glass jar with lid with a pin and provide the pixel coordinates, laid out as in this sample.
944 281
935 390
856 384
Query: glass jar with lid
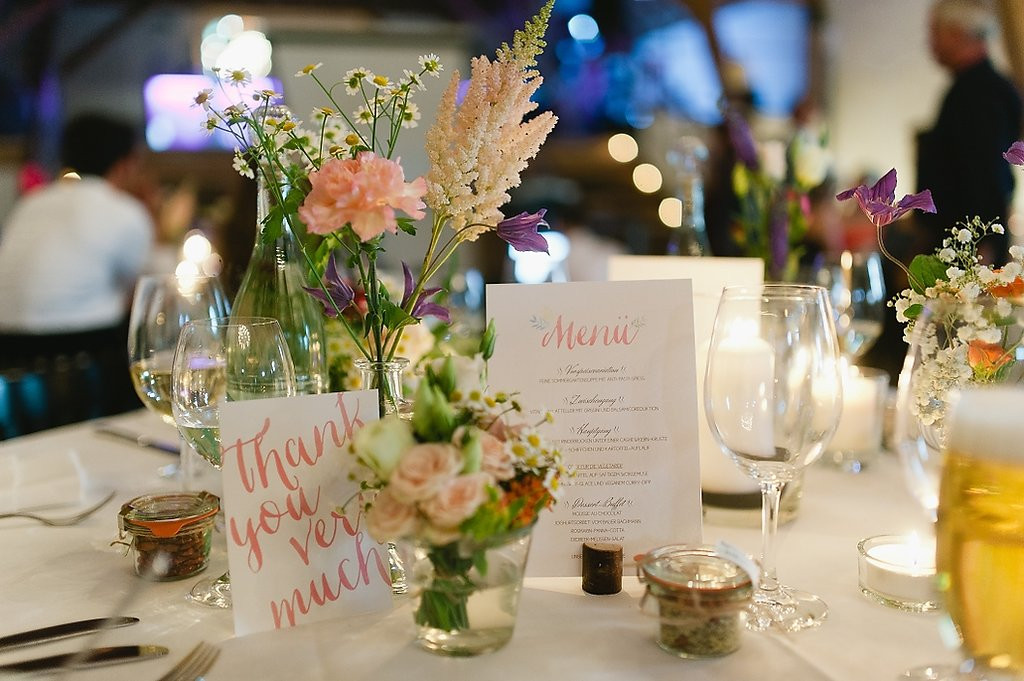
699 597
169 535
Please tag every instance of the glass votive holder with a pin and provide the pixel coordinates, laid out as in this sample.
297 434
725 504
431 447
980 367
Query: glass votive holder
858 437
168 535
898 571
699 597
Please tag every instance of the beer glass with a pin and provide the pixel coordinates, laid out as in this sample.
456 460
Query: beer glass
980 531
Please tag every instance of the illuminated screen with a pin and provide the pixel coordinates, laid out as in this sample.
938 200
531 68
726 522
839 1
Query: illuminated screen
174 123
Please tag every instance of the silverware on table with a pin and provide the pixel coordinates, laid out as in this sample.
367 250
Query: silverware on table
95 657
137 438
58 632
62 522
194 665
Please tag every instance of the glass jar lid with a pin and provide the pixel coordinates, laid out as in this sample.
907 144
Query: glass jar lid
686 567
165 515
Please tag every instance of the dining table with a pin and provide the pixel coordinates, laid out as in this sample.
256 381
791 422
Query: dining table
50 575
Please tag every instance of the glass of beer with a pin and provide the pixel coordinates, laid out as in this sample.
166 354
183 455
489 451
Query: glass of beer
980 530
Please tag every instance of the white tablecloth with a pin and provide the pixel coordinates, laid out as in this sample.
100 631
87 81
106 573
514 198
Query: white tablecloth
51 575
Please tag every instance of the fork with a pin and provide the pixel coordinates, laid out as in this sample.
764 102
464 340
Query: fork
62 522
194 665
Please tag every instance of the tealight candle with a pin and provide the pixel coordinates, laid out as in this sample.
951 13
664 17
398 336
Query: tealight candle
858 437
899 571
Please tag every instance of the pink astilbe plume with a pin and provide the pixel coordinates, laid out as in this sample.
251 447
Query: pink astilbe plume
477 149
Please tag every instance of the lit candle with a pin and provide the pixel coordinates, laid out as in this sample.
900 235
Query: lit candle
899 571
742 387
860 423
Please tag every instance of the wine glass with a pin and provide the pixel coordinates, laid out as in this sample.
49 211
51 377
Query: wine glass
980 531
856 289
772 398
218 360
162 304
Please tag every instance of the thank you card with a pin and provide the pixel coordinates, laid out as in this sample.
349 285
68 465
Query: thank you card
294 558
613 362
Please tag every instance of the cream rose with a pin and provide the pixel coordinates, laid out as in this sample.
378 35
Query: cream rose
457 500
380 444
390 519
424 470
497 460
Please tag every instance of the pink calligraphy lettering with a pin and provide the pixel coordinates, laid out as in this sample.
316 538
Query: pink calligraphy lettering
572 335
269 523
329 588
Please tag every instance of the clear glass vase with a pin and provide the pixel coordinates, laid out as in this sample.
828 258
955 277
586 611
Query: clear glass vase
272 287
467 594
388 378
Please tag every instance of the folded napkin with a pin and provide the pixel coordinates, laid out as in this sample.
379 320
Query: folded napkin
41 480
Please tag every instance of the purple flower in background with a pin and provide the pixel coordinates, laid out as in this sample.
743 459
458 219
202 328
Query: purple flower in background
742 140
778 241
879 201
423 308
339 294
1015 154
520 231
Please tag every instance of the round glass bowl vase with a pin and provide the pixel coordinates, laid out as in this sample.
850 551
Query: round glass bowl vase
699 597
169 535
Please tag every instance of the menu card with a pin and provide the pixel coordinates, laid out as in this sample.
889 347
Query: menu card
719 475
294 557
614 364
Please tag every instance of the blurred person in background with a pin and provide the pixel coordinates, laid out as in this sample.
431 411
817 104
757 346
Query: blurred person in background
69 257
960 158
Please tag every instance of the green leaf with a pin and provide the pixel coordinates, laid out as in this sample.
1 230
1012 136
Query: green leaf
394 316
925 270
480 562
272 226
487 341
407 225
912 311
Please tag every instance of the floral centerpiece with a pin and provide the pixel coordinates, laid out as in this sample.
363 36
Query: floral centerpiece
334 182
962 318
772 182
462 484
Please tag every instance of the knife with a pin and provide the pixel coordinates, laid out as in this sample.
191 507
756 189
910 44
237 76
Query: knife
138 438
95 657
61 631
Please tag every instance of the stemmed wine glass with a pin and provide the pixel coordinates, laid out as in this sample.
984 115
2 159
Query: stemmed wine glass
856 289
772 398
218 360
162 304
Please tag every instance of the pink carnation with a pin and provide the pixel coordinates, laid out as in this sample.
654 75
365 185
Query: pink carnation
363 192
423 470
457 500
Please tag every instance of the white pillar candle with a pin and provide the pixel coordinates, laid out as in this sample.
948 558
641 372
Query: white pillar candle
718 474
741 393
860 423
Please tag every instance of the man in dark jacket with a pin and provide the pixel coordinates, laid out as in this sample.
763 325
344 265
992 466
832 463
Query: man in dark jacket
960 158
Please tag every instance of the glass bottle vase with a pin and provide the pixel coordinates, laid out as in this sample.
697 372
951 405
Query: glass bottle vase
386 377
272 287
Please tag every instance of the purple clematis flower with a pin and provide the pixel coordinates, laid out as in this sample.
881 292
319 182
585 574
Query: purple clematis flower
520 231
879 201
1015 154
423 308
341 294
742 140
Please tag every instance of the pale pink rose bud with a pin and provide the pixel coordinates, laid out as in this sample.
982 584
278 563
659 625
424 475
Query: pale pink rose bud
423 470
497 459
390 519
457 500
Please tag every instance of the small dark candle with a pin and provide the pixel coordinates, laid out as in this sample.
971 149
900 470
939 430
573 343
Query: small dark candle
602 568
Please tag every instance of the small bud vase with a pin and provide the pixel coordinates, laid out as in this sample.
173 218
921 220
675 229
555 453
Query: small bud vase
467 593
